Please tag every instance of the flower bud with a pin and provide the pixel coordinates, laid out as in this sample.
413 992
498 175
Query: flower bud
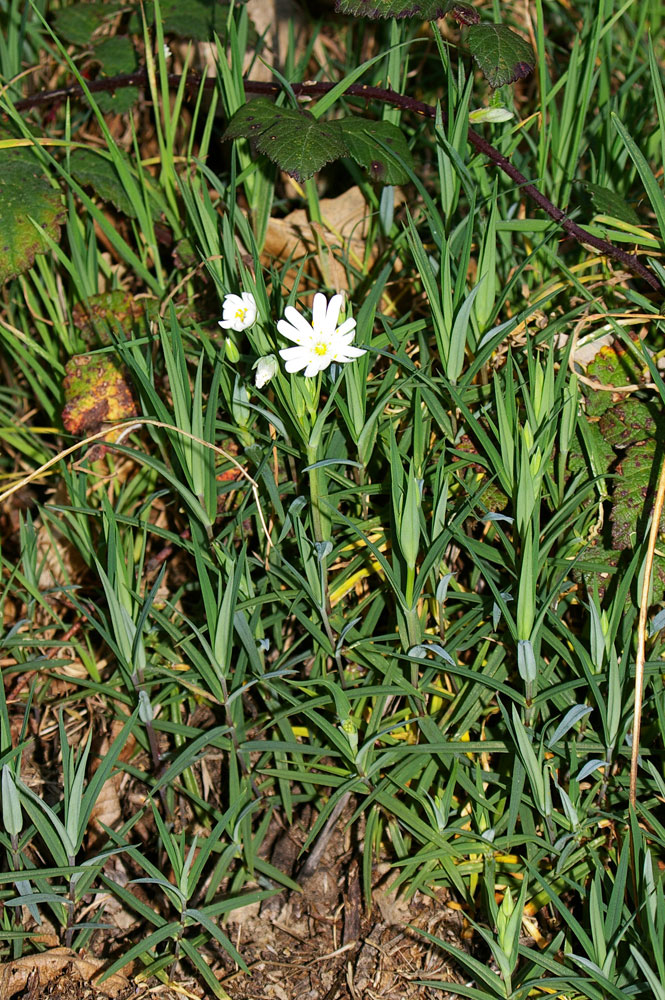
266 368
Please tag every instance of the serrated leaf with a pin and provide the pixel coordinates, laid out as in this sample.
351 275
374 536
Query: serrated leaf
612 365
197 19
628 421
424 10
78 23
632 499
91 169
25 194
360 135
608 202
300 144
502 55
96 392
109 311
594 568
116 55
292 138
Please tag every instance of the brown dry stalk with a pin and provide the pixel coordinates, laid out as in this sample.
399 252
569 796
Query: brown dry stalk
641 633
131 425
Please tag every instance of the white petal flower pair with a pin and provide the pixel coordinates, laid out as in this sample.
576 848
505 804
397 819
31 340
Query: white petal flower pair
320 342
238 312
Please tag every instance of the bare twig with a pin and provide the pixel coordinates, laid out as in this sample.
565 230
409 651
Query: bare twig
387 96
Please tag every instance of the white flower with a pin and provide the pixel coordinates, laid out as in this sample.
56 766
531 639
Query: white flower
167 51
238 311
266 368
495 114
321 342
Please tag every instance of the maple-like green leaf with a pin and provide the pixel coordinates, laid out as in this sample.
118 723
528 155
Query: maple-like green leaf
424 10
502 55
360 135
25 195
300 144
292 138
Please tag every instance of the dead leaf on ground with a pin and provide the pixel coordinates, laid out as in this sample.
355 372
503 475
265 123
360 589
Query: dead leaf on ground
107 810
344 233
39 970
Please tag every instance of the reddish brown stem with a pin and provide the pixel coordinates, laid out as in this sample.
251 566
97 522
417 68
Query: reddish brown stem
627 260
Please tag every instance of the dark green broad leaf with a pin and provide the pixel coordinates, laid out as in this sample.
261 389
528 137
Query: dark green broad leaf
25 195
607 202
361 135
116 55
79 22
92 169
594 568
197 19
423 10
502 55
294 139
301 145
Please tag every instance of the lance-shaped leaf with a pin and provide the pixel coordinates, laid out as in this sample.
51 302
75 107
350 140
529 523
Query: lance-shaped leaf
502 55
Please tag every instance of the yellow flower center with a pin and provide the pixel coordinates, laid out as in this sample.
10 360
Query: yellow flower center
241 313
321 348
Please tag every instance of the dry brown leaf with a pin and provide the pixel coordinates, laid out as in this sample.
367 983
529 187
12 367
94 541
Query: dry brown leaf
48 965
107 809
344 231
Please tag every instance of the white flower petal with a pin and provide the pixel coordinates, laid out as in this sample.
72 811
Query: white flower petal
347 326
292 352
319 316
266 368
295 364
238 312
321 342
332 315
313 368
299 322
287 330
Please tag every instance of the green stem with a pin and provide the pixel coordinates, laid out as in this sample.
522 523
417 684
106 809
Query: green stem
315 216
317 490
